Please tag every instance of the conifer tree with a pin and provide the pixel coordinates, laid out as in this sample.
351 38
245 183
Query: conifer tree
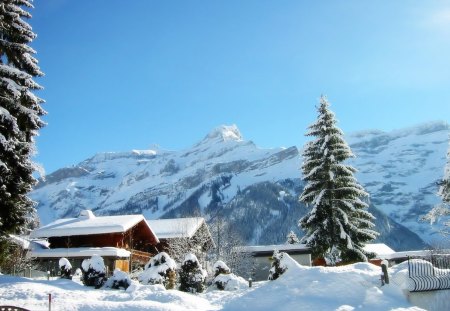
292 238
20 112
444 189
338 224
443 208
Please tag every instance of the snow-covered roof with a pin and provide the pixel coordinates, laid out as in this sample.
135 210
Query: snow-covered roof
79 252
288 248
175 228
87 223
26 243
380 249
18 240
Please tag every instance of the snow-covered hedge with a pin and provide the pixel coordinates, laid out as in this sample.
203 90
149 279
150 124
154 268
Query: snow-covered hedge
192 276
65 268
119 280
94 271
160 270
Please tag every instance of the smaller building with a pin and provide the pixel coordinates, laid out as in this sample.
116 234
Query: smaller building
381 251
177 236
261 257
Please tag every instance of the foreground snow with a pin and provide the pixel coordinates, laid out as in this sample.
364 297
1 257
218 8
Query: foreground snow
353 287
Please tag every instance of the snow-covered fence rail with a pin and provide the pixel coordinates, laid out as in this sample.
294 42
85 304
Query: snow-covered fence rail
12 308
429 273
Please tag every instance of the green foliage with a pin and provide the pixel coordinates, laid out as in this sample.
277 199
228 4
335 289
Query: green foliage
20 113
338 224
444 190
277 268
192 276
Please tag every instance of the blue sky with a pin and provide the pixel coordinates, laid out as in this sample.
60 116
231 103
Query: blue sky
123 75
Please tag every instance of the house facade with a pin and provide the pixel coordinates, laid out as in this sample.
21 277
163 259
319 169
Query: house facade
122 241
260 258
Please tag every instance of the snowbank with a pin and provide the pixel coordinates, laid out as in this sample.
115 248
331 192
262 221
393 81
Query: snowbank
349 287
353 287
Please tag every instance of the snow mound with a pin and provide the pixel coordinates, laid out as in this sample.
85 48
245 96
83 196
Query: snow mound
348 287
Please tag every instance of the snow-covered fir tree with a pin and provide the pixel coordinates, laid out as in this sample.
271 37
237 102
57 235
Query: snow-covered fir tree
444 189
443 208
192 275
338 224
277 268
161 269
20 115
292 238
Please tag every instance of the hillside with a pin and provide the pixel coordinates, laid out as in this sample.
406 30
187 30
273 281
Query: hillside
256 189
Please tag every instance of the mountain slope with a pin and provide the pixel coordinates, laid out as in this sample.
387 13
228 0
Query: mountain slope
256 189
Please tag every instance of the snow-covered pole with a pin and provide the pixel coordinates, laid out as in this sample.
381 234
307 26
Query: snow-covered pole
385 276
250 281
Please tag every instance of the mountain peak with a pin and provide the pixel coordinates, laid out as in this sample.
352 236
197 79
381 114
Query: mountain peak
224 133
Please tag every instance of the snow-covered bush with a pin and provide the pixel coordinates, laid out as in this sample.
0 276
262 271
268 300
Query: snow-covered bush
65 268
229 282
224 279
94 271
278 267
192 276
119 280
160 270
220 268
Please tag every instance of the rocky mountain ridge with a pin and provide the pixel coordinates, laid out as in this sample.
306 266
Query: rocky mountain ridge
255 189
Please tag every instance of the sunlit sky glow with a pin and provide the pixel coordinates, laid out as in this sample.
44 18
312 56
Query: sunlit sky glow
123 75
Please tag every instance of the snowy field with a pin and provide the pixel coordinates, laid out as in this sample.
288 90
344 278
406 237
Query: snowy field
353 287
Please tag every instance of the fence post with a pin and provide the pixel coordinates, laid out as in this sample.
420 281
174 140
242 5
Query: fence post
49 302
384 266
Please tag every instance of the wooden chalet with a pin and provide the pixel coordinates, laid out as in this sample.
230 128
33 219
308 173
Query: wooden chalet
121 240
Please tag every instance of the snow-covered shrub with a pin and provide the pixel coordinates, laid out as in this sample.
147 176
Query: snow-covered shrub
192 276
94 271
229 281
160 270
278 267
65 268
224 279
220 268
119 280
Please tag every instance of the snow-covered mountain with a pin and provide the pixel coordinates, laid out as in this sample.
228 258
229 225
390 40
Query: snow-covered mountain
255 189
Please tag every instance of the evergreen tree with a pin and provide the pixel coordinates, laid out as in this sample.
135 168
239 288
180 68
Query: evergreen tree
192 276
20 112
444 189
338 224
292 238
277 268
442 209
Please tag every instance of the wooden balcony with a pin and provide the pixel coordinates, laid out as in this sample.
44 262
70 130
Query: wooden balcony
142 257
